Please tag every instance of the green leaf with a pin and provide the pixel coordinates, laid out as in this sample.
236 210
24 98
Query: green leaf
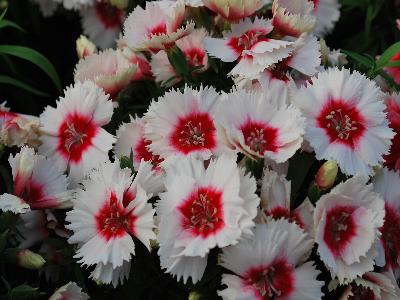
11 81
178 60
23 291
7 23
126 162
359 58
393 64
34 57
387 55
3 14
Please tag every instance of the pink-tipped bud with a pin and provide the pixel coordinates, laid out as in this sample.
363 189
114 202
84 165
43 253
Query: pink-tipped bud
326 175
30 260
84 47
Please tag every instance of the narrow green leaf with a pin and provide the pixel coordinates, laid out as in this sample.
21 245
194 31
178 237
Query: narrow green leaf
23 291
393 64
11 81
7 23
3 14
359 58
34 57
387 55
178 60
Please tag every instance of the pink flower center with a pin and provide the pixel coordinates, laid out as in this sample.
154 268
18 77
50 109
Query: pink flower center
282 212
75 136
342 122
112 221
195 57
275 281
142 152
340 228
260 137
316 4
203 211
391 236
194 132
157 30
109 15
248 40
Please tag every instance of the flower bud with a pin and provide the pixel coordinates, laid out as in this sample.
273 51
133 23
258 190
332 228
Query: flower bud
121 4
194 296
84 47
30 260
326 175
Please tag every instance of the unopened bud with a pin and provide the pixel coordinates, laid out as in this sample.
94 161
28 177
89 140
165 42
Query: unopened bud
326 175
30 260
194 296
84 47
121 4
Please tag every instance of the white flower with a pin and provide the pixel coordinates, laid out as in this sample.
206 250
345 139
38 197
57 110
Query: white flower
275 202
259 124
293 17
248 42
180 123
76 4
347 222
202 208
110 209
156 27
387 185
109 274
271 265
71 133
234 9
109 69
38 184
345 120
327 13
102 23
70 291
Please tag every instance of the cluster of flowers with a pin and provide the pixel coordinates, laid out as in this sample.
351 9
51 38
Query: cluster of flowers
190 148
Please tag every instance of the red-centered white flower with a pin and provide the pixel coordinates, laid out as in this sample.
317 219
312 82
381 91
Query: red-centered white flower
261 125
275 202
270 266
193 48
84 47
293 17
248 42
130 138
327 13
392 160
163 71
108 274
109 69
371 286
394 72
157 27
38 183
110 209
387 185
70 291
234 10
345 120
180 123
17 129
202 208
102 23
347 222
71 133
143 70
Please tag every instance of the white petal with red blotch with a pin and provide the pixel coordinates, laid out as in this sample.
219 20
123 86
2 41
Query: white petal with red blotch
361 95
239 107
219 48
148 179
129 136
86 100
163 71
306 212
70 291
306 56
275 191
387 184
236 289
13 204
165 115
109 274
357 256
328 13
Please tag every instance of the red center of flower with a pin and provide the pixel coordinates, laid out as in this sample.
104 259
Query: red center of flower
391 236
75 136
316 4
194 132
203 211
158 29
195 57
275 281
342 122
282 212
260 137
109 15
248 40
340 228
280 70
112 221
142 152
